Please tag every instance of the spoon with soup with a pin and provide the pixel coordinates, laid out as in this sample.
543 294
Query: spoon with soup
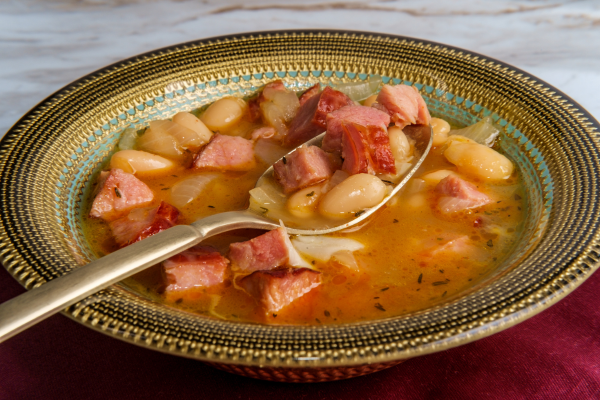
351 201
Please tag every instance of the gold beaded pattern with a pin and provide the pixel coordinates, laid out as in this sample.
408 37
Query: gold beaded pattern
49 156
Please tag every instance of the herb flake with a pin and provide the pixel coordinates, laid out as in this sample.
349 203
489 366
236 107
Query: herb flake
438 283
384 289
165 188
359 213
490 243
391 183
420 278
311 194
265 210
211 206
379 307
284 160
117 193
327 313
396 221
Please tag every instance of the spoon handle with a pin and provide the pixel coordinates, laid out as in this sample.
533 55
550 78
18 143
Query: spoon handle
39 303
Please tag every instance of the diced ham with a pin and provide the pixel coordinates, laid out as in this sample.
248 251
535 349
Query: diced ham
278 288
366 150
458 194
310 92
226 153
357 159
199 266
254 104
141 223
118 193
368 117
304 167
266 132
311 118
404 104
266 251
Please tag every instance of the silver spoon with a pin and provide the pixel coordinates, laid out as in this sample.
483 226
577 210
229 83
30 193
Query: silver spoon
31 307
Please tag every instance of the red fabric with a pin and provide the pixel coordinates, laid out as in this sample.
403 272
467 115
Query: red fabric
554 355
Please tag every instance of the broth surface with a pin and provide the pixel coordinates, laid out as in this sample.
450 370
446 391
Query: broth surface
406 264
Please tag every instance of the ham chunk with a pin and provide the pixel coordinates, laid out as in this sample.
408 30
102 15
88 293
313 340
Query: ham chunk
372 119
254 104
458 194
141 223
404 104
366 151
276 106
276 289
312 115
200 266
355 151
312 91
304 167
118 193
266 251
226 153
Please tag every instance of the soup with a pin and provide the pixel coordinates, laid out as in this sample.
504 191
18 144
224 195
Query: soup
447 229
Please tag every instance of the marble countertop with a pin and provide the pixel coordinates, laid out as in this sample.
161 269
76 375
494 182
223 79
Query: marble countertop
45 45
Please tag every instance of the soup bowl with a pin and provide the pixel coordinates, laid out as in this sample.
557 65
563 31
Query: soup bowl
48 158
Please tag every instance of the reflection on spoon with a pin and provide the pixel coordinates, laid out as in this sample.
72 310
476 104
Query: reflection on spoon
39 303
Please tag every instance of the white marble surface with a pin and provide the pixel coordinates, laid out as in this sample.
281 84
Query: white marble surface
44 45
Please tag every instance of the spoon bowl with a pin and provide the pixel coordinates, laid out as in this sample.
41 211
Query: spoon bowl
31 307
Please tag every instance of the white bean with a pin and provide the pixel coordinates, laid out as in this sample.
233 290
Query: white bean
160 142
435 177
141 163
458 139
369 101
303 202
354 194
191 122
479 160
399 144
440 131
417 200
224 113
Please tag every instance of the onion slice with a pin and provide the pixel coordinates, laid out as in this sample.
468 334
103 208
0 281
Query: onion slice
482 132
189 189
359 91
322 248
128 139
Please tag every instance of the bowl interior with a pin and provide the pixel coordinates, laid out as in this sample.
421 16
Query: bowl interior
48 158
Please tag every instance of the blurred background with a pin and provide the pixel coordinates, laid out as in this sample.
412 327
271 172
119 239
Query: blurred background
44 45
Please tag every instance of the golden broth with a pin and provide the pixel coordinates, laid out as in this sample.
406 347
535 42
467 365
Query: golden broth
397 273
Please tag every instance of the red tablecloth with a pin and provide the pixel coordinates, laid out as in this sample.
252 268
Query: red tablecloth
554 355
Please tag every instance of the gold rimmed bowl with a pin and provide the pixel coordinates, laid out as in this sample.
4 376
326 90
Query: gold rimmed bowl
49 156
